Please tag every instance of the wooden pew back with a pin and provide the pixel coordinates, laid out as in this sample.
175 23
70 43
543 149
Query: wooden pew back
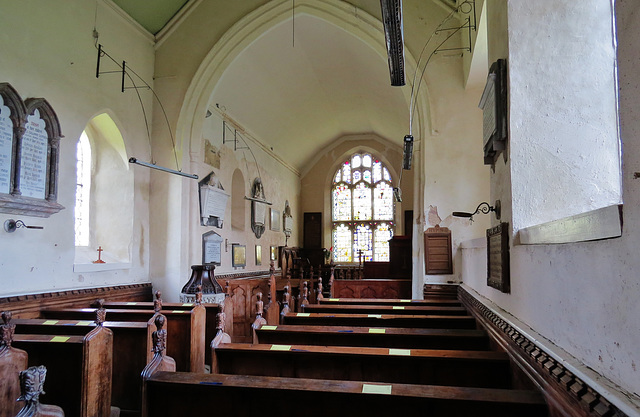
166 393
401 338
79 369
130 350
407 366
381 320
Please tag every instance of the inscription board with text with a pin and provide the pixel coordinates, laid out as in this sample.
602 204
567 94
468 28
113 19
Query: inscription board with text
498 269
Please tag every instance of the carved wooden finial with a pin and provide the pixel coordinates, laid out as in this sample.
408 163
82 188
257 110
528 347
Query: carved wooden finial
272 267
259 305
286 297
221 317
199 295
157 303
319 295
227 289
160 335
101 313
7 329
305 294
32 383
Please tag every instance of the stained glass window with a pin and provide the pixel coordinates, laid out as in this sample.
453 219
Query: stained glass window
362 210
362 243
383 202
341 203
362 202
342 244
346 173
381 242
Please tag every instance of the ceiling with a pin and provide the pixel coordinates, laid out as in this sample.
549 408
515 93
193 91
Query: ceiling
152 15
299 98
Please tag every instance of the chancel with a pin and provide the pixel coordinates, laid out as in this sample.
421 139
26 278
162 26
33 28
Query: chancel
354 157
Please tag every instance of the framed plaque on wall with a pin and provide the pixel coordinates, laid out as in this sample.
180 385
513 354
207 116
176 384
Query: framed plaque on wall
498 274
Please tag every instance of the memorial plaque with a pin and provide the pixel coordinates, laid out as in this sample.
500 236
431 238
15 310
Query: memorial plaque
6 147
498 269
211 248
33 160
213 201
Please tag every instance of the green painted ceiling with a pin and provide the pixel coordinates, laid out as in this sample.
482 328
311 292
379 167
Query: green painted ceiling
152 15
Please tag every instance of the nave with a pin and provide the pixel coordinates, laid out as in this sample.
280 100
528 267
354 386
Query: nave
133 357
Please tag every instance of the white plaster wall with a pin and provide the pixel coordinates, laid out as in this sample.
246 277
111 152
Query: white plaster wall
563 125
455 177
48 51
583 296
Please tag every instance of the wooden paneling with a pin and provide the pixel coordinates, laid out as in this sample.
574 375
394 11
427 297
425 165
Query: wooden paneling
372 288
29 305
437 249
244 296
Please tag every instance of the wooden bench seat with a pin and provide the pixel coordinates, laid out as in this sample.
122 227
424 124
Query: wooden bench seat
185 330
170 394
211 314
131 344
444 302
79 369
407 366
386 309
381 320
403 338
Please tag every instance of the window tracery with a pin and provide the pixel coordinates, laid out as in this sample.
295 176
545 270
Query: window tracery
362 210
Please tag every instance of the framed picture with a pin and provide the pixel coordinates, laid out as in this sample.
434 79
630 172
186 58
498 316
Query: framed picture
275 220
239 253
258 255
274 253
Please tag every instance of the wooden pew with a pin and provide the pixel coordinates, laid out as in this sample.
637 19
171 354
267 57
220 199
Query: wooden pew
160 361
407 366
79 369
211 314
381 320
444 302
170 394
130 349
12 362
385 309
402 338
185 330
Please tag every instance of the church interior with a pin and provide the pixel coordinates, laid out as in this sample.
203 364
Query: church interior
148 146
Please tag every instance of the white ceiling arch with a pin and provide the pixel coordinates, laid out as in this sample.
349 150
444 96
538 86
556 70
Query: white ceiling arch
298 98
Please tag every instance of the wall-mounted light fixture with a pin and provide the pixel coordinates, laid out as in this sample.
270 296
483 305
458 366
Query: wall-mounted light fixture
407 154
134 160
11 225
394 36
483 208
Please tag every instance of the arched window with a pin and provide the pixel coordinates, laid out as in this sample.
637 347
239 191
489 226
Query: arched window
83 190
362 210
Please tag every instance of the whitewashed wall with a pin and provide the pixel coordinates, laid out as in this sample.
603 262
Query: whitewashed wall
47 50
582 296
